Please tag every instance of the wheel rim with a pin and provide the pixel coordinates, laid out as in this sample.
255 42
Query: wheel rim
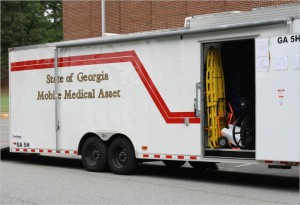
248 132
120 157
238 123
93 155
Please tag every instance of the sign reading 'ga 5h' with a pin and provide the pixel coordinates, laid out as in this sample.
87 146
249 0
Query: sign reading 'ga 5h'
288 39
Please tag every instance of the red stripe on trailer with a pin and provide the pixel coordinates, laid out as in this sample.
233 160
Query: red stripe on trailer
284 162
169 156
45 150
193 157
33 62
180 157
268 161
117 57
146 155
157 156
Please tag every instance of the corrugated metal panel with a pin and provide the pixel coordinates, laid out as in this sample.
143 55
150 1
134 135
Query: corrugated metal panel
237 17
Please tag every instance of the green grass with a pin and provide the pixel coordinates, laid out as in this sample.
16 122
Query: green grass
4 101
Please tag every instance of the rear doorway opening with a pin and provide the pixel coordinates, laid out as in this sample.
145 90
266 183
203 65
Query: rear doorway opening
229 99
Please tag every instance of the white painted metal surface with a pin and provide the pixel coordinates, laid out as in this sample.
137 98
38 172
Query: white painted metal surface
278 100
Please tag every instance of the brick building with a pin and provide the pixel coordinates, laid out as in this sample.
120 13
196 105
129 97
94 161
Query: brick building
82 19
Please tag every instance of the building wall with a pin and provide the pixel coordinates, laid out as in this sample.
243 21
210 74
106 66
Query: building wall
82 19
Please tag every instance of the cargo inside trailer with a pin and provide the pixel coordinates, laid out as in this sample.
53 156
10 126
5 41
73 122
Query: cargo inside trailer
234 124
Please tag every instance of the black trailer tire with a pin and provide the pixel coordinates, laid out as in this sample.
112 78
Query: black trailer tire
121 157
204 165
94 155
173 164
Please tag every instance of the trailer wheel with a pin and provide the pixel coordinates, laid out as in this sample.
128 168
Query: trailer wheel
94 155
173 164
121 157
204 165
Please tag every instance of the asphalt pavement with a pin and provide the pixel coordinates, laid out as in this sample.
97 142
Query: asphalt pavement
40 179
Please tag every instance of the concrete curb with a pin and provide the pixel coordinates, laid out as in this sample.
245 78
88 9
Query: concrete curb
4 115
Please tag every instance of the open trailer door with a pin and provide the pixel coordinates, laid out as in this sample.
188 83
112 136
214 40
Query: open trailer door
278 98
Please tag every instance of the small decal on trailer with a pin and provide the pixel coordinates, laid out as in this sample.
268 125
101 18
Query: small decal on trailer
280 96
17 136
23 144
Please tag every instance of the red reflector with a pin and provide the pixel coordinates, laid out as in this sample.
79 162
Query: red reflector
67 152
145 155
269 162
32 150
169 156
75 152
156 156
193 157
49 151
41 150
180 157
17 150
25 150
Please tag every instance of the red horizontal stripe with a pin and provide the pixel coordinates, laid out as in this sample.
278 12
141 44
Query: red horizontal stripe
17 150
267 161
183 114
49 151
33 62
32 150
117 57
41 150
67 152
180 157
169 156
193 157
75 152
32 67
25 150
156 156
146 155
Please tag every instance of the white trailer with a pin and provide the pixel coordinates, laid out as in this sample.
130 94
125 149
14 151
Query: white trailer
117 100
